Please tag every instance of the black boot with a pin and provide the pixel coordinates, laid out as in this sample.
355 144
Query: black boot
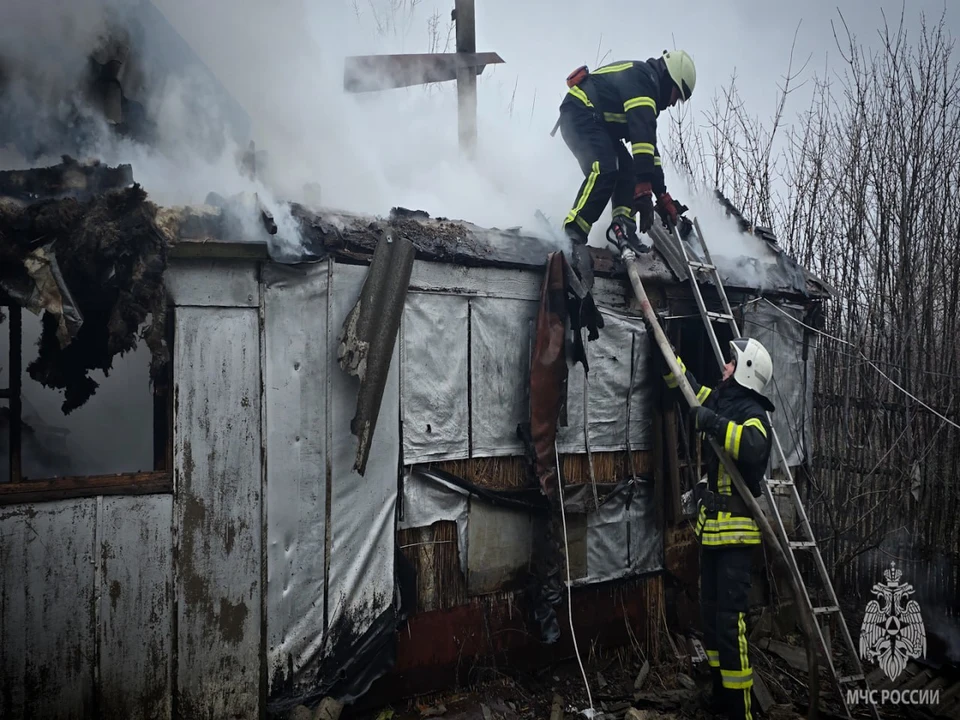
581 259
714 699
623 233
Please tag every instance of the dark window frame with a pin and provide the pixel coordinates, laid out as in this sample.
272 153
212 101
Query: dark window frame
159 480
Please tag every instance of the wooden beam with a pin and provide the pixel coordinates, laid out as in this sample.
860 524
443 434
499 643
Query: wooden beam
466 19
148 483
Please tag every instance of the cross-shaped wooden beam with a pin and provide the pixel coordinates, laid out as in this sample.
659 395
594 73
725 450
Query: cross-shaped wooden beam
367 73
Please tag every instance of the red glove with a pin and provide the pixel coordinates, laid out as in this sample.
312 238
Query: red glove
666 208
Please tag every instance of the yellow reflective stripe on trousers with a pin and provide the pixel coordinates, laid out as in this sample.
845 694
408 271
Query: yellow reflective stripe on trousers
612 68
713 658
574 214
732 441
702 394
755 422
580 95
637 102
615 117
657 162
643 148
742 678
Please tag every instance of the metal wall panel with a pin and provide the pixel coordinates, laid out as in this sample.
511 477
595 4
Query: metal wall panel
434 383
136 607
213 283
48 610
501 338
295 331
362 535
218 511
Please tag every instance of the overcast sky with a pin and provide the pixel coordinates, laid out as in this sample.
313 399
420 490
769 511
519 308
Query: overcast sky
284 61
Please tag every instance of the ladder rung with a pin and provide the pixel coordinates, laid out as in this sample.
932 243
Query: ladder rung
826 609
779 483
719 316
701 266
802 544
846 679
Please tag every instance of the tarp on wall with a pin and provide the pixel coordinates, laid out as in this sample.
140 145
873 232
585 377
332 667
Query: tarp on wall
791 389
622 536
464 379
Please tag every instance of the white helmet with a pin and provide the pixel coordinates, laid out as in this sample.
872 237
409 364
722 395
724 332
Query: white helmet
682 71
754 368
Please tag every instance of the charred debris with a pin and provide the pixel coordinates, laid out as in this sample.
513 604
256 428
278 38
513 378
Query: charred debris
82 243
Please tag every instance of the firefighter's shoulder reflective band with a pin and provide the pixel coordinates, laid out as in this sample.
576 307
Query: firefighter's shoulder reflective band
620 67
580 95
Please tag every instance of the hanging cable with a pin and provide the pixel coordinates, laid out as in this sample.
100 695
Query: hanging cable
566 562
871 364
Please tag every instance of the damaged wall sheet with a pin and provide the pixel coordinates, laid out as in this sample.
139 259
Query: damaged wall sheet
791 389
622 537
501 339
434 377
428 499
360 579
609 385
295 336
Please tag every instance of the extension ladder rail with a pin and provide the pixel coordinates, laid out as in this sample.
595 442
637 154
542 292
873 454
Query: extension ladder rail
707 267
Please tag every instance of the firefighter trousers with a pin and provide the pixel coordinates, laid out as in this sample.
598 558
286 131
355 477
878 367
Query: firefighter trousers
724 601
606 164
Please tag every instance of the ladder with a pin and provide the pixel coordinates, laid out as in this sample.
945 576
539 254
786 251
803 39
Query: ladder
807 543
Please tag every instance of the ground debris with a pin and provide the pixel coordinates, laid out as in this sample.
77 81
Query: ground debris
107 255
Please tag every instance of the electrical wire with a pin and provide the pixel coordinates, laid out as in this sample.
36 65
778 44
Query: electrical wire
566 562
871 364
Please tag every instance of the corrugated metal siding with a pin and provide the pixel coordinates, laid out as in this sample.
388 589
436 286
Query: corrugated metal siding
295 327
48 610
218 511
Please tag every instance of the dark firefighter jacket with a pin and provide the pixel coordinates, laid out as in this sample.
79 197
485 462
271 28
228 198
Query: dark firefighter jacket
745 435
629 96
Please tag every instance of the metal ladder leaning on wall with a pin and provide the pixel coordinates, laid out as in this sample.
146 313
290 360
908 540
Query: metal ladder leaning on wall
808 542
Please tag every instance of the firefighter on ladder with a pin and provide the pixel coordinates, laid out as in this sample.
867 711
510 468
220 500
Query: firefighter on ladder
734 413
602 108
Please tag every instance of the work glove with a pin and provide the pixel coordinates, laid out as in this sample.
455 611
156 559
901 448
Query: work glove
643 206
668 209
670 379
708 422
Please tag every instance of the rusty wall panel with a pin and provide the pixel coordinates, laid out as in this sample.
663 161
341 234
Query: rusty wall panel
295 336
47 610
136 594
217 477
362 510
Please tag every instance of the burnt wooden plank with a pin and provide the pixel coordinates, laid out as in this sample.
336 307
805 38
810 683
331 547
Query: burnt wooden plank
136 604
218 512
36 491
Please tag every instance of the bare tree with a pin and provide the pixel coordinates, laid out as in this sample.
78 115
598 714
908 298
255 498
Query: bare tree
862 187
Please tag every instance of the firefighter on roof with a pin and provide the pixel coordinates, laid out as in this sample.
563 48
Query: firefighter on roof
615 103
734 413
